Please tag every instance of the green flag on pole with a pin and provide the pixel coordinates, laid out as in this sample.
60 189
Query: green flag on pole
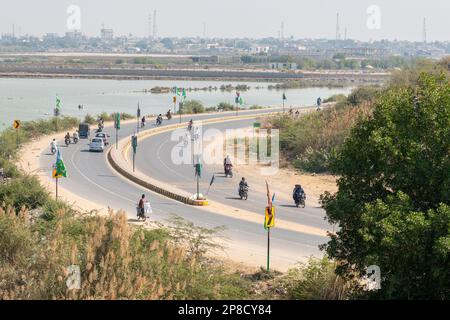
284 96
58 103
117 121
184 94
241 101
59 169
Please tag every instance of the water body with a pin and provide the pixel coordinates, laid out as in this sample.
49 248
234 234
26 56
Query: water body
30 99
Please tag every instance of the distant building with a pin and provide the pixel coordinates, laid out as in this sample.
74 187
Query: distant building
107 34
283 66
74 35
259 50
205 59
362 52
50 36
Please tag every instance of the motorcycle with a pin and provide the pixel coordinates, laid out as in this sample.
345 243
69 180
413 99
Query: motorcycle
169 116
53 150
300 200
75 140
67 141
243 192
141 214
228 168
158 121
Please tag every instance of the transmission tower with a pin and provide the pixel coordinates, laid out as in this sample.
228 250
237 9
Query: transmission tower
155 29
424 31
338 28
150 26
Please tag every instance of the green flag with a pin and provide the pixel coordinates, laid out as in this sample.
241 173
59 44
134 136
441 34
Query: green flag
184 94
59 169
58 102
117 121
198 170
284 96
241 101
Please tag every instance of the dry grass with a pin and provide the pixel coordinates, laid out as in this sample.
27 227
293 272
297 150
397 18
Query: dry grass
116 260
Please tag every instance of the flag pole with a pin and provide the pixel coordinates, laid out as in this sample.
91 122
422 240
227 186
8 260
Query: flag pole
268 249
56 193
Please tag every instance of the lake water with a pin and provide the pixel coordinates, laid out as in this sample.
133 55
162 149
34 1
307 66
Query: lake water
29 99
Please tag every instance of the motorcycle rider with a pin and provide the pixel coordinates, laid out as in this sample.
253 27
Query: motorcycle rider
169 115
76 136
227 163
141 213
243 184
159 120
67 138
53 146
143 121
298 193
190 124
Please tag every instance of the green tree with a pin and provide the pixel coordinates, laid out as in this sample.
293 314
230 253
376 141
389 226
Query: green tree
392 205
193 106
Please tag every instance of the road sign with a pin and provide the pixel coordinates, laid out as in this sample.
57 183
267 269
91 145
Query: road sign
134 143
270 217
257 125
117 121
16 124
175 99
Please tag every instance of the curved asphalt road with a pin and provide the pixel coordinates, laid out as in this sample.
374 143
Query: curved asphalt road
91 177
158 165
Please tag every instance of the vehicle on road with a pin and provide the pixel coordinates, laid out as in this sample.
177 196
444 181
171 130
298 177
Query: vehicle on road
228 168
84 130
97 144
159 120
75 137
243 192
243 189
169 115
53 147
143 122
67 139
104 136
143 208
190 125
299 196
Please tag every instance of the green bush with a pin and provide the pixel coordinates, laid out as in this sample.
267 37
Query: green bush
193 106
106 117
89 119
225 106
23 192
363 94
316 280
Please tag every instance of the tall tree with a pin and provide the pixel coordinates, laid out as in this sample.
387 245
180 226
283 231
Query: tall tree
392 205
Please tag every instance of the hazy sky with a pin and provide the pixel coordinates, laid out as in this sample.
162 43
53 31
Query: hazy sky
400 19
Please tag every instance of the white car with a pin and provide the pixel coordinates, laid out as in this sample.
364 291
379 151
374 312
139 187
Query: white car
97 144
104 136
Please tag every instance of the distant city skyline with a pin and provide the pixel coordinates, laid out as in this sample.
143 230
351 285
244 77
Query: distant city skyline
400 19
